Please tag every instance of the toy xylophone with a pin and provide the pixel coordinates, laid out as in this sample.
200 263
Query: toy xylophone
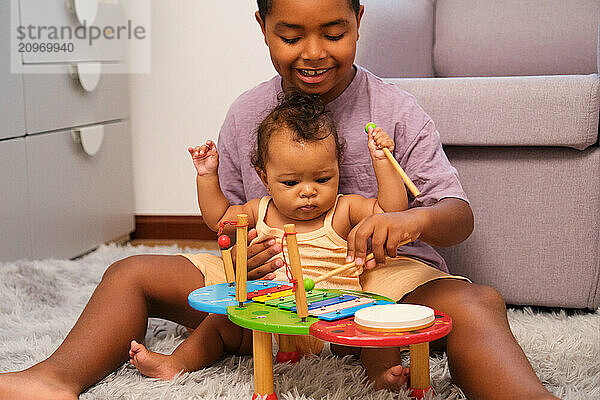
333 315
268 307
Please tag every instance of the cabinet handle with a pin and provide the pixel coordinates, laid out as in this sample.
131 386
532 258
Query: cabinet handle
88 75
86 11
90 138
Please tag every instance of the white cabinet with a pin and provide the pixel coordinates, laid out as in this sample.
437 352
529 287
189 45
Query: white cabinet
55 13
12 118
15 240
57 100
65 147
79 201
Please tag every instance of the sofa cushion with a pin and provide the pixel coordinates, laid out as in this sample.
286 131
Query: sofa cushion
537 225
516 37
511 111
396 38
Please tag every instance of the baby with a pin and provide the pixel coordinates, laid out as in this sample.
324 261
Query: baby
297 157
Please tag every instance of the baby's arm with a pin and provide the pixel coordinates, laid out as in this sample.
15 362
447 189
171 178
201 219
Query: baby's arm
214 206
391 195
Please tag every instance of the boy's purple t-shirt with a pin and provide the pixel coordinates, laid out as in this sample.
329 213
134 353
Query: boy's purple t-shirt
418 148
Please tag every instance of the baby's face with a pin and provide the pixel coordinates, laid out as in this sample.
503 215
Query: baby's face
302 177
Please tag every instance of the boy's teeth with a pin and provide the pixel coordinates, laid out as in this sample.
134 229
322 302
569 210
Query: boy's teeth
312 72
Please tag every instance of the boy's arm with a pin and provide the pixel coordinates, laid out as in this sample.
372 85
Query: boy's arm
214 206
445 223
391 194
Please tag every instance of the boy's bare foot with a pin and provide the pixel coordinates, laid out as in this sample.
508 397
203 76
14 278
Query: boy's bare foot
384 368
32 386
153 365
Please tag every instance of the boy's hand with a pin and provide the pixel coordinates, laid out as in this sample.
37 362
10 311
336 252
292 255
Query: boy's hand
205 158
259 254
386 232
378 139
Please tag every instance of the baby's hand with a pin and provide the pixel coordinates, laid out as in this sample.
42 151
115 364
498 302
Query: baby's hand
378 139
205 158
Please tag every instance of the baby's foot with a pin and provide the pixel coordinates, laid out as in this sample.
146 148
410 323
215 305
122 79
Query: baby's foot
153 365
394 378
384 368
29 385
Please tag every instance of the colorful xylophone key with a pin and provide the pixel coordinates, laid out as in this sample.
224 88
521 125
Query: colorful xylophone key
349 312
291 304
268 290
340 298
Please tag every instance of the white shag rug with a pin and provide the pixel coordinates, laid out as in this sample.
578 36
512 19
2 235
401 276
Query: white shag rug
41 300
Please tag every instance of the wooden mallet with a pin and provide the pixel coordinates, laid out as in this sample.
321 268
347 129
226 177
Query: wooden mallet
409 184
224 243
309 284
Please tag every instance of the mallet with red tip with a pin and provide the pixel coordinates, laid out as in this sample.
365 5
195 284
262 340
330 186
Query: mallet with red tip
224 243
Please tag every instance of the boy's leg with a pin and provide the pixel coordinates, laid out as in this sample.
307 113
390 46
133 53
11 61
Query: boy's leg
215 336
131 290
485 359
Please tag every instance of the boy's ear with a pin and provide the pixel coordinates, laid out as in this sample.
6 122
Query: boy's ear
261 23
358 19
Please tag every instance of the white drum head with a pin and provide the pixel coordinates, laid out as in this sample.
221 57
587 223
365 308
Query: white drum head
394 317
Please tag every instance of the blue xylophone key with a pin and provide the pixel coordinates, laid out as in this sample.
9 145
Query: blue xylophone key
335 300
349 312
310 298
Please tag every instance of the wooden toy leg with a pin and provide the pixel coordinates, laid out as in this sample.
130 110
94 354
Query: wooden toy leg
287 349
419 370
263 366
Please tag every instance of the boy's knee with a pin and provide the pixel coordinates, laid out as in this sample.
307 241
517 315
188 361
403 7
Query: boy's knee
477 299
488 298
126 267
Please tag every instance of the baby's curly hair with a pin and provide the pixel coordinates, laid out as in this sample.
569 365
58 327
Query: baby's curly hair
264 7
304 116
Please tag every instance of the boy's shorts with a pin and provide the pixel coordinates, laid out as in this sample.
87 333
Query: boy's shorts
399 277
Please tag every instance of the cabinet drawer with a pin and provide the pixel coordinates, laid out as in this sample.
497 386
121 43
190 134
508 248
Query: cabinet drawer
15 241
11 87
79 201
57 100
44 16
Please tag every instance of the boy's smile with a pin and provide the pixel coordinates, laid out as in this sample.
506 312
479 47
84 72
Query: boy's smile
313 76
312 44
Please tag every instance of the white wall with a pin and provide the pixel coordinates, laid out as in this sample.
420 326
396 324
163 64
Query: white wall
205 53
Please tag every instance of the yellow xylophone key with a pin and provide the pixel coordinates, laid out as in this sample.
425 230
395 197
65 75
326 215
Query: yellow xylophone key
272 296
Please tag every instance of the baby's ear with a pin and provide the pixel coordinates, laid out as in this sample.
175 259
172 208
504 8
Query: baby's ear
262 175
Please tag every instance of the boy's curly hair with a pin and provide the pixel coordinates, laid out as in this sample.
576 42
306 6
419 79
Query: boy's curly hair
264 7
304 116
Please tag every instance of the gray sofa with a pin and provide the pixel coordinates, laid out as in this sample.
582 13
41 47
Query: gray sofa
513 89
